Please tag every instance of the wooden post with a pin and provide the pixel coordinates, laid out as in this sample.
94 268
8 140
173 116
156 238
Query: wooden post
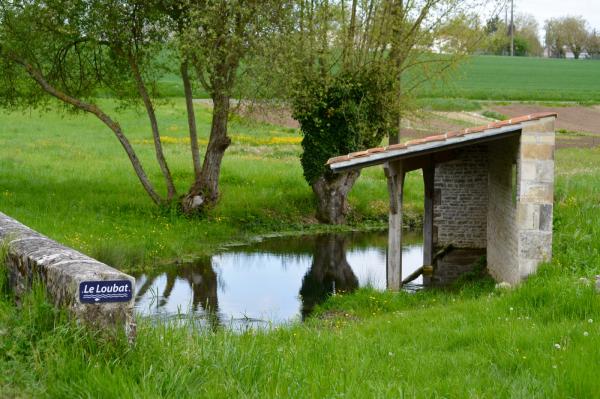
428 180
395 176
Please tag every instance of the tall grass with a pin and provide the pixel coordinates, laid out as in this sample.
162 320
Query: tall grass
539 340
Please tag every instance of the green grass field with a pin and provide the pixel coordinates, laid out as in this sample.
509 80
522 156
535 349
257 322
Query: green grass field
538 341
496 78
521 79
68 178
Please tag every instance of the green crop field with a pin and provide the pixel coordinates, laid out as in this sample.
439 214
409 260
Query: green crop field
492 78
521 79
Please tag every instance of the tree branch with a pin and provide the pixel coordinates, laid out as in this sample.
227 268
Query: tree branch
93 109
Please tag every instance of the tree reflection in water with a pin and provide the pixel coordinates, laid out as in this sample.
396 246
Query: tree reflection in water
202 280
329 273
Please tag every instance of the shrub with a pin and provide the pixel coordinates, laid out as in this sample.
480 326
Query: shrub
339 115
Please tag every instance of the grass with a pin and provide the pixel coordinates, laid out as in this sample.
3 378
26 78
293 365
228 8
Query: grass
539 340
494 115
68 178
495 78
520 79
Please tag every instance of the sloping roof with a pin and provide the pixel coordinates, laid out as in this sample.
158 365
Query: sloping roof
379 155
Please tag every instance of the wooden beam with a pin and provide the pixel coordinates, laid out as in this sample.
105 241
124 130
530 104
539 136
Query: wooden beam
395 177
428 180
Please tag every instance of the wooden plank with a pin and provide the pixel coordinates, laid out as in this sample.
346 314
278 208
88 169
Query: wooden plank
395 177
428 180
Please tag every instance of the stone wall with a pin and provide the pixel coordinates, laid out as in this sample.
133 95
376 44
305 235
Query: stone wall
461 199
536 194
502 210
521 191
30 256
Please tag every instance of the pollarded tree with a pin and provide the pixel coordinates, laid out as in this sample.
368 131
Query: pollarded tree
338 115
74 50
377 52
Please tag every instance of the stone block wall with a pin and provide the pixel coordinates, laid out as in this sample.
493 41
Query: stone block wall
521 191
502 232
535 195
461 199
30 256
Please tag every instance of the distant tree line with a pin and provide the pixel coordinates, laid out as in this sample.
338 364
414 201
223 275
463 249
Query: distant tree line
563 35
496 37
571 34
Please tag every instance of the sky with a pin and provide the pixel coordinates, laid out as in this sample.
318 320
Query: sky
546 9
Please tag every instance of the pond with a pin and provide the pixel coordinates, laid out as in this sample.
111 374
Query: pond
274 281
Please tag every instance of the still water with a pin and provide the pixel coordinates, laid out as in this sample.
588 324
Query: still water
271 282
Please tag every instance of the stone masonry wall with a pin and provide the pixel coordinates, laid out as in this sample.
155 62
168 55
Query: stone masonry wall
30 256
461 199
536 195
502 233
521 202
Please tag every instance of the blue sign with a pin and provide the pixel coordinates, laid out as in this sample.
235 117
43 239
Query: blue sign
105 291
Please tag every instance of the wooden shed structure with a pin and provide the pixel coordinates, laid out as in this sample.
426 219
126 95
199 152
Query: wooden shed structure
487 188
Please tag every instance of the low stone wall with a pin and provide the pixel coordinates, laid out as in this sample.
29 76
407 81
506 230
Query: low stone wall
94 293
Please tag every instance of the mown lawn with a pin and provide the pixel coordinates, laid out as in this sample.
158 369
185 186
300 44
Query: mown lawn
539 340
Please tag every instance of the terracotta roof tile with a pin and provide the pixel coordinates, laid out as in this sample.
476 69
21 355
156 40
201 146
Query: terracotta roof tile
376 150
443 137
396 147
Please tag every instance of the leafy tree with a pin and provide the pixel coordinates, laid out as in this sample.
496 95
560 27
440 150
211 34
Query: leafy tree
593 43
73 50
566 32
527 42
337 44
576 34
339 114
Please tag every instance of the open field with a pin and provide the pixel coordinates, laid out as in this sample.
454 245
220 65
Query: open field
491 78
539 340
521 79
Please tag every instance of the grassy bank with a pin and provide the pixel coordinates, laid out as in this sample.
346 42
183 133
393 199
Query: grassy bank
68 178
540 340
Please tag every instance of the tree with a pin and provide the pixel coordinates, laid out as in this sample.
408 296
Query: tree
74 50
575 33
566 32
527 42
337 43
526 32
338 115
593 44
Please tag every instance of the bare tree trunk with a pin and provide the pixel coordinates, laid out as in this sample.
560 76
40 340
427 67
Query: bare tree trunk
107 120
205 190
160 157
189 103
332 196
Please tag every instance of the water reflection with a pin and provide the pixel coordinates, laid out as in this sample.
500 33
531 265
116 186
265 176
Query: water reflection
271 282
329 273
